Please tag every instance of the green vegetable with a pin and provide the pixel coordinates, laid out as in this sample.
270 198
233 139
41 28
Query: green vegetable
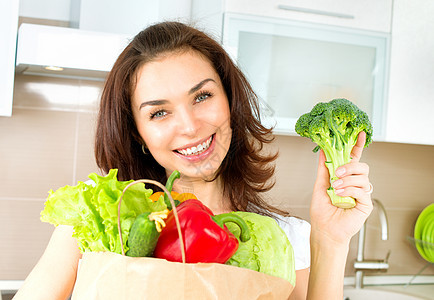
334 126
169 185
147 227
93 210
145 232
268 250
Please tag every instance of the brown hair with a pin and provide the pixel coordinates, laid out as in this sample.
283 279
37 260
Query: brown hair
246 171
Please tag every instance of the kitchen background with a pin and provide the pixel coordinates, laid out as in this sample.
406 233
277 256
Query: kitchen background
48 141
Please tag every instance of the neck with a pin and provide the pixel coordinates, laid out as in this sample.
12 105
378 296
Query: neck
209 193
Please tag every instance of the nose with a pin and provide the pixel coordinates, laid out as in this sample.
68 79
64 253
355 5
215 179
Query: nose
188 122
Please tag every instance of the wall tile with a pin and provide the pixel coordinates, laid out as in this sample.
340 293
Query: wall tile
23 237
85 162
295 171
402 174
36 152
37 92
89 95
403 177
57 93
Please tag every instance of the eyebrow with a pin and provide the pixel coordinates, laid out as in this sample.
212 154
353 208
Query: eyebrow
153 103
191 91
199 85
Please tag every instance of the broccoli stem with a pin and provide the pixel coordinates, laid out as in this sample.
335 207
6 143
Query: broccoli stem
334 159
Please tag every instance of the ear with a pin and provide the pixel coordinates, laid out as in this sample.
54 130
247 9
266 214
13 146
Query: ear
137 137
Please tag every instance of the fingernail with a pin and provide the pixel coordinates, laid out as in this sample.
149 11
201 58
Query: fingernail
337 192
337 183
340 171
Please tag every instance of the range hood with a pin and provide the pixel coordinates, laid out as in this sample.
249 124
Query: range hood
101 29
67 52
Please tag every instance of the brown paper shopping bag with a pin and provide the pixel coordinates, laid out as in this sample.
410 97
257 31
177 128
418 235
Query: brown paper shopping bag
106 275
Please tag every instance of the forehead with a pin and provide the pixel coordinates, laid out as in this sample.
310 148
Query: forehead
177 65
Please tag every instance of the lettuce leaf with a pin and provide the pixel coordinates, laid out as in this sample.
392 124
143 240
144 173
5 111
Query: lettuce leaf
268 250
92 209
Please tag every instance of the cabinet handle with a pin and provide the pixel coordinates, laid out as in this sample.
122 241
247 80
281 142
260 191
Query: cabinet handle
314 11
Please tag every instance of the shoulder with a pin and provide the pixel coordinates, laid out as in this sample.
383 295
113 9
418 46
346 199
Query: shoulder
298 233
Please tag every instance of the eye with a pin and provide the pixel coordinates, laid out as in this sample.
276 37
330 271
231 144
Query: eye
202 96
157 114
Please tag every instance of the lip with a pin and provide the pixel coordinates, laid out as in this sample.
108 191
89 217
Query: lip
194 144
201 156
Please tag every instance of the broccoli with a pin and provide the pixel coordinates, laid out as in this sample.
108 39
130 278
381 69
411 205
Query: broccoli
334 126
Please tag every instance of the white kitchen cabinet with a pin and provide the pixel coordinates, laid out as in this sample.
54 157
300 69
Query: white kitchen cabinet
125 17
411 88
373 15
8 37
294 65
207 15
368 14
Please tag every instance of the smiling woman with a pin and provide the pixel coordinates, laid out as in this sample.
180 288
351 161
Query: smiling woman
175 93
175 100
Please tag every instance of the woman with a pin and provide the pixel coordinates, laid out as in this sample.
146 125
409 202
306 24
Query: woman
175 100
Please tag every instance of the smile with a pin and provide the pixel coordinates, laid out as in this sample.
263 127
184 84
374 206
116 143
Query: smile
196 150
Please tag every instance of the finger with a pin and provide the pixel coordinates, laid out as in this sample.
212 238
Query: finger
357 193
352 169
358 181
363 199
323 176
356 152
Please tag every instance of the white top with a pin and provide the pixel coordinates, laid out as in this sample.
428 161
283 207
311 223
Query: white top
298 232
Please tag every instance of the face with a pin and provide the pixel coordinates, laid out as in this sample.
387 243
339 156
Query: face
182 114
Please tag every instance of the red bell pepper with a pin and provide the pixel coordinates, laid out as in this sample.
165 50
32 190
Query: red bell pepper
206 238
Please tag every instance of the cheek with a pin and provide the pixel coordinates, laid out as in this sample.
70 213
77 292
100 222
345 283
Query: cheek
153 136
219 113
225 118
223 121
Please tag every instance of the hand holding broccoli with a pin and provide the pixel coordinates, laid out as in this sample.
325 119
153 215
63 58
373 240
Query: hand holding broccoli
331 221
341 130
334 126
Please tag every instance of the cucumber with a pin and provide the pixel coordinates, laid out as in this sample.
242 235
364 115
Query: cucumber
143 236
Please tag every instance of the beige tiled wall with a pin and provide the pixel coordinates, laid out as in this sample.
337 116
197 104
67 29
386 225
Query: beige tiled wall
48 143
403 177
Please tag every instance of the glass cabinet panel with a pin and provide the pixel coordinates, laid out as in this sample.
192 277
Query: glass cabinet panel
293 65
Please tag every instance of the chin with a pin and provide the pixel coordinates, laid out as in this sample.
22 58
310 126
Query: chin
206 172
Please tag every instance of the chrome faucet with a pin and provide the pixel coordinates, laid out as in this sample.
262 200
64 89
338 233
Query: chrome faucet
361 264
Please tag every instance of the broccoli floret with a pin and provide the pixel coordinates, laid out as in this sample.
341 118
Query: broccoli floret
334 126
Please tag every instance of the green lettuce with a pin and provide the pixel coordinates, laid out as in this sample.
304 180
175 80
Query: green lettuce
268 250
92 209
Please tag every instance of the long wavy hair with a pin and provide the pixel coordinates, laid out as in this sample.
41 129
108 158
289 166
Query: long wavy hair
246 171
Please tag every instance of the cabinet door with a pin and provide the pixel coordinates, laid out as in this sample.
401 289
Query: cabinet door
207 15
8 38
292 66
411 87
368 14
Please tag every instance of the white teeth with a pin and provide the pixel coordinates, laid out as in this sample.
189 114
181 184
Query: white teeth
197 149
